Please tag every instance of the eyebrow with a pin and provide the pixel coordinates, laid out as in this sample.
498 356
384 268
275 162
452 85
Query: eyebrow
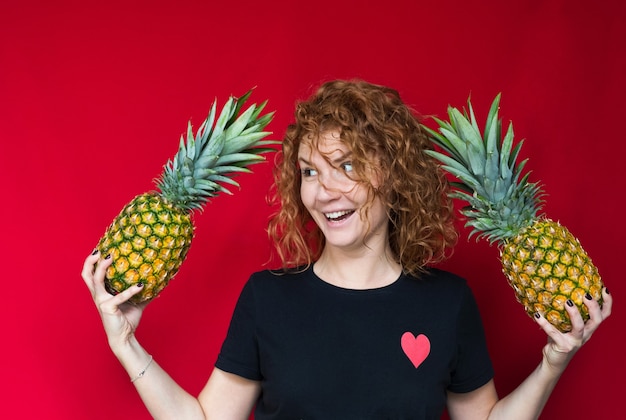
334 162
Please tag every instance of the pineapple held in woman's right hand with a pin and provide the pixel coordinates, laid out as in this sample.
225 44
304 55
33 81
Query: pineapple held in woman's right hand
149 239
543 261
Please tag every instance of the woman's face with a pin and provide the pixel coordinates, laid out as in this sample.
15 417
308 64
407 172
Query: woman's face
336 201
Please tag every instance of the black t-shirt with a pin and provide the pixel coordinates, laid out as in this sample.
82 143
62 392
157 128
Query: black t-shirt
324 352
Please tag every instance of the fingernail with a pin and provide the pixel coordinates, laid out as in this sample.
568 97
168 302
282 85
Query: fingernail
107 257
606 290
569 303
140 284
588 296
95 251
537 315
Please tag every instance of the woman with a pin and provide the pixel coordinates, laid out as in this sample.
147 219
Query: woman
355 325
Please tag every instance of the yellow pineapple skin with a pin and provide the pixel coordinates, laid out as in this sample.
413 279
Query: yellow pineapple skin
148 241
546 265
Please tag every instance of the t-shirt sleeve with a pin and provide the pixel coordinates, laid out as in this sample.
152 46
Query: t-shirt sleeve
239 353
473 367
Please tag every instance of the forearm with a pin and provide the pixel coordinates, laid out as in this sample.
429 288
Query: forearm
529 398
162 396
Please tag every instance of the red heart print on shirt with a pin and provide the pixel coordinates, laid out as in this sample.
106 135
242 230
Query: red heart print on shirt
416 349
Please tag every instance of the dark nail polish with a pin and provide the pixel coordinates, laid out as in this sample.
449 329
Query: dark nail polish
606 290
94 252
537 315
570 303
140 284
588 296
107 257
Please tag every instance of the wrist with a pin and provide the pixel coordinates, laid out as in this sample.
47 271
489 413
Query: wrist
553 366
144 370
127 350
133 357
120 346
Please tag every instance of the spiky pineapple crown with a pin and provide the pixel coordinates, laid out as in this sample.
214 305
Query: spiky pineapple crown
501 200
220 149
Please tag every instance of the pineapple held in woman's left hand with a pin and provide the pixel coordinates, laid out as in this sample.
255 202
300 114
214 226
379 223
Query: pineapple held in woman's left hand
149 239
543 261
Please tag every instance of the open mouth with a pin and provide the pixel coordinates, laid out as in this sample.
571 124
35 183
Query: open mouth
337 216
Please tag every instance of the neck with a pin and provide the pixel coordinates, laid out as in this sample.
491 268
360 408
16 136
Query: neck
368 270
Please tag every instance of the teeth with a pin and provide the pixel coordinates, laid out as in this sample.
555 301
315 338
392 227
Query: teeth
336 214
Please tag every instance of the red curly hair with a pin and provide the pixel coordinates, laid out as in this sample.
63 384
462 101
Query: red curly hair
384 136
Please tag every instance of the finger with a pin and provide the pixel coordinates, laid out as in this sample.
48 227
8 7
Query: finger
115 301
589 326
100 272
578 324
607 303
547 327
89 267
597 313
594 309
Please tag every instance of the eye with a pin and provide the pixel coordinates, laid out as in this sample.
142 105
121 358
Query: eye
346 166
308 172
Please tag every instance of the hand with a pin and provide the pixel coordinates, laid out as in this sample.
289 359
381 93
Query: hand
561 347
119 317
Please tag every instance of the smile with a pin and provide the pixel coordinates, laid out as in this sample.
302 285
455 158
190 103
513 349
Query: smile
338 215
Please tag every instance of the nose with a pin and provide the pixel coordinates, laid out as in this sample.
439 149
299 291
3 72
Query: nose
330 185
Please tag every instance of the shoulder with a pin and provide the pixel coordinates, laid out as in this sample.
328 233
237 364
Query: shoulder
439 287
276 281
274 296
439 279
439 275
278 276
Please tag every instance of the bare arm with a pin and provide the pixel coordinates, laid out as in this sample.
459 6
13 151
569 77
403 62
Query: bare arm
529 398
225 396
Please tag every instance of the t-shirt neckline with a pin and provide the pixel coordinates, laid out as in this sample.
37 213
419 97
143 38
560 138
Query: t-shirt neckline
319 282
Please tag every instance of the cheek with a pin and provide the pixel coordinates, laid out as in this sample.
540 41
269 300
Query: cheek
376 178
307 195
359 193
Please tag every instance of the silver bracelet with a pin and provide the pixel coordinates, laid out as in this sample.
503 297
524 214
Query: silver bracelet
143 371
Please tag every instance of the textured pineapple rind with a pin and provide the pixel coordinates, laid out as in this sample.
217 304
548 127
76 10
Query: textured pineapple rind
546 265
147 241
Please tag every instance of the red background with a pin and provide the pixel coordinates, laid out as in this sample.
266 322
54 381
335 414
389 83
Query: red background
93 98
